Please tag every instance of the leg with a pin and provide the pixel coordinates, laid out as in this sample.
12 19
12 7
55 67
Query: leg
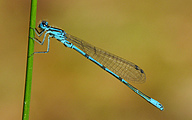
47 46
38 41
41 43
37 32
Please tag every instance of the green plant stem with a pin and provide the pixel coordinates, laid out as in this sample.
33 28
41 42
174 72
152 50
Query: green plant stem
29 68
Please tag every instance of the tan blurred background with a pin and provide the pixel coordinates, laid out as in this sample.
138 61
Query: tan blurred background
156 35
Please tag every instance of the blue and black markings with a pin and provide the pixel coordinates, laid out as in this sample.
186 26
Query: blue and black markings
61 36
86 55
103 67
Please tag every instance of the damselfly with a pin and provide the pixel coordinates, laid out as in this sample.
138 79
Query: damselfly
116 66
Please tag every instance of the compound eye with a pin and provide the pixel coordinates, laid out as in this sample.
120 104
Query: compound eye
44 23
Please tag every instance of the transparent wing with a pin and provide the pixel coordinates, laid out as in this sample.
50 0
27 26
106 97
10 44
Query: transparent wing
121 67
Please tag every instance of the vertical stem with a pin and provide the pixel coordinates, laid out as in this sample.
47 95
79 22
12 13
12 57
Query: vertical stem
29 68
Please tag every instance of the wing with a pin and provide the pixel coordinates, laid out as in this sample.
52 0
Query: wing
121 67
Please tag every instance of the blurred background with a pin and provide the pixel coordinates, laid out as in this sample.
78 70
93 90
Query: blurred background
155 35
